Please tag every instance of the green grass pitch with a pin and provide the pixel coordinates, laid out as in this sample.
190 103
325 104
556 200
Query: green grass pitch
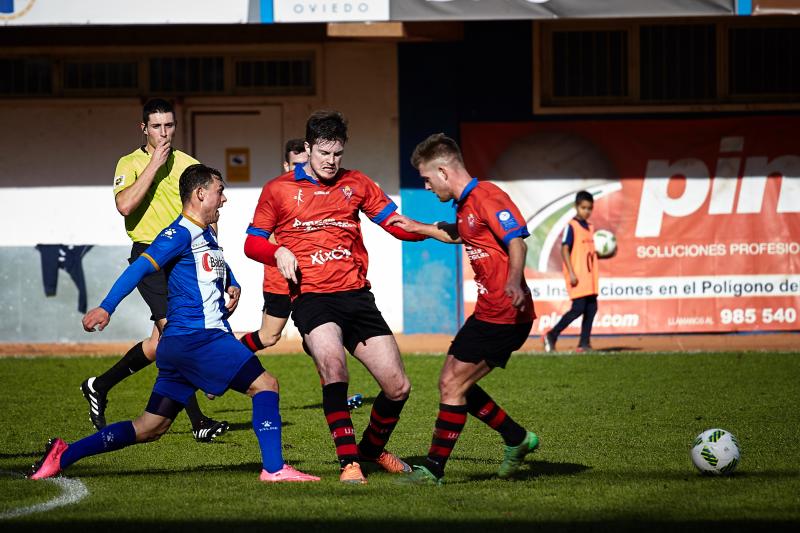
615 436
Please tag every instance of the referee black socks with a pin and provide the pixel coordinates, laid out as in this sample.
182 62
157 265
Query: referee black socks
131 362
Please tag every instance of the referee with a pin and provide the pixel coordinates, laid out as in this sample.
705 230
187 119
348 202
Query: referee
146 194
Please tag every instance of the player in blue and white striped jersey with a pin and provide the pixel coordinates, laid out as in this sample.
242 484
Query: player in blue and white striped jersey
197 349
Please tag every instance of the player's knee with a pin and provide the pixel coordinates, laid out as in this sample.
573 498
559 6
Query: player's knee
264 382
399 389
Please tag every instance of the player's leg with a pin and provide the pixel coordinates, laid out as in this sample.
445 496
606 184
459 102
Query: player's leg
455 379
370 340
262 388
381 356
575 310
276 311
324 343
153 289
589 312
154 422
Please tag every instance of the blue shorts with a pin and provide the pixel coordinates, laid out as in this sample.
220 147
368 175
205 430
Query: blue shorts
207 360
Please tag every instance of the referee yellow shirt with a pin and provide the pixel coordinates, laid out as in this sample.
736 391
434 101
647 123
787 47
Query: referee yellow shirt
162 203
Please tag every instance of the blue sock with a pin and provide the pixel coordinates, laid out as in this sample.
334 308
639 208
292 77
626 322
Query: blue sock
110 438
267 425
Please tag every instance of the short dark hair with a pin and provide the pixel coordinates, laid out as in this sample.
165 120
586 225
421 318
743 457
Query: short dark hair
436 146
583 196
195 176
293 146
156 105
326 125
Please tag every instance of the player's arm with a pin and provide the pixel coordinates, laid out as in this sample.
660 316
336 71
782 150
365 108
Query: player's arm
399 232
441 231
129 198
515 282
566 254
100 316
233 289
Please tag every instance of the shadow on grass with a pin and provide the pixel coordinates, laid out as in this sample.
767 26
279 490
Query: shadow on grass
403 526
528 471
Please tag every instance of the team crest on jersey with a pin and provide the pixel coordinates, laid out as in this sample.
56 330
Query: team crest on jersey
348 192
169 233
119 180
507 220
471 220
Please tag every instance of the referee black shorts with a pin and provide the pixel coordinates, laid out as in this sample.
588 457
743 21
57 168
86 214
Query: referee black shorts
354 312
153 287
478 341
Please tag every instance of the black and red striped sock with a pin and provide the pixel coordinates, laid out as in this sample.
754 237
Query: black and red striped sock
449 425
382 420
334 404
482 406
252 341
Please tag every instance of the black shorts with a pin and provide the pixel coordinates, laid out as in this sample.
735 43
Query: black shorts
354 312
153 287
277 305
478 341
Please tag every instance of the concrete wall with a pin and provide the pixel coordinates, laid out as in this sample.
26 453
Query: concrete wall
57 164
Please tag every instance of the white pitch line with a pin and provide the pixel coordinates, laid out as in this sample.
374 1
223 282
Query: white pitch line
72 491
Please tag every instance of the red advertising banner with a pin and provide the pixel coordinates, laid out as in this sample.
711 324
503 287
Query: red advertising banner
706 214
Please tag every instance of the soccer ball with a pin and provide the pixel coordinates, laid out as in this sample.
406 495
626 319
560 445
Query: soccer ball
605 243
715 451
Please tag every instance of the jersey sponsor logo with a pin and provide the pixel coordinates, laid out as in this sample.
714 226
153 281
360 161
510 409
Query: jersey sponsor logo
347 191
474 253
210 262
313 225
169 233
317 193
507 220
320 257
119 180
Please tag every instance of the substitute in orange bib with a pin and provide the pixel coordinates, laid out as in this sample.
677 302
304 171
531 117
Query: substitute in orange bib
580 273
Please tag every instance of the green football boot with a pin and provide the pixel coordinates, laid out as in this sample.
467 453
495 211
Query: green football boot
514 455
420 476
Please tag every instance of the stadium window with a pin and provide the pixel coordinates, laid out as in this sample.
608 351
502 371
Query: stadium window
764 61
678 62
26 76
194 75
666 65
589 65
285 75
100 77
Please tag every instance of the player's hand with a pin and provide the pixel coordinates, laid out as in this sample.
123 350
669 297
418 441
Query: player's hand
408 224
161 153
233 299
518 296
211 396
96 318
573 279
286 263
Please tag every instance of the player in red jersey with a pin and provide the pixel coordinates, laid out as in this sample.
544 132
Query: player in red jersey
313 212
493 232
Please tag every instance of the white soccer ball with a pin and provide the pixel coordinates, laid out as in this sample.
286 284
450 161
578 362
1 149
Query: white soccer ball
715 451
605 243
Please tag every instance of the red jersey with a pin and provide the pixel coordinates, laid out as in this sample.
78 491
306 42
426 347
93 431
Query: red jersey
274 282
487 221
319 223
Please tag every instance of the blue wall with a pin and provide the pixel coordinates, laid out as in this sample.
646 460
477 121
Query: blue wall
441 85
